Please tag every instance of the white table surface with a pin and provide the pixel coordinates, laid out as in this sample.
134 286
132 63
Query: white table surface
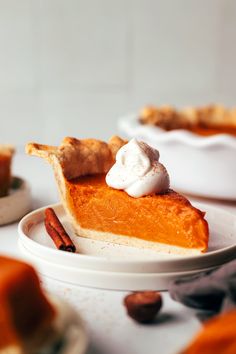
111 331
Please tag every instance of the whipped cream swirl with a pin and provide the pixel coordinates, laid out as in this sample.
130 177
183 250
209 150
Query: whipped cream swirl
137 170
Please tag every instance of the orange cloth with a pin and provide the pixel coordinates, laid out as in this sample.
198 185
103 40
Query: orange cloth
218 336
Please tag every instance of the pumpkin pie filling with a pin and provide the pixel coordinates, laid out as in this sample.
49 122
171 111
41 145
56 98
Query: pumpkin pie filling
208 131
166 218
6 153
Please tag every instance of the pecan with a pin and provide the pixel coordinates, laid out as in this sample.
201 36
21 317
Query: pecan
143 306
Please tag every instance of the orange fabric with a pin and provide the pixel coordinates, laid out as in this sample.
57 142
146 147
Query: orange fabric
23 306
167 218
218 336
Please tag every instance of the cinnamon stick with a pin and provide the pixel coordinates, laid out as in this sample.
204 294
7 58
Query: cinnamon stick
55 236
57 232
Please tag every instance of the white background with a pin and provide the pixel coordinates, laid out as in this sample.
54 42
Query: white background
71 67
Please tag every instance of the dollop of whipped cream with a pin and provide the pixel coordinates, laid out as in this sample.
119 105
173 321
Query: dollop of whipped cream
137 170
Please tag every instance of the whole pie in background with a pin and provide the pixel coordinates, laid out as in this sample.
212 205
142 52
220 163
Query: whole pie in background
205 121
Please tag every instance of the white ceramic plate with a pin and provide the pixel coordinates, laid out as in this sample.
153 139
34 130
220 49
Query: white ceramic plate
104 279
106 265
17 203
204 166
71 327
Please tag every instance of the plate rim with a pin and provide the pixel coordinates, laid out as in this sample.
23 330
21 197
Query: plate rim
112 274
106 280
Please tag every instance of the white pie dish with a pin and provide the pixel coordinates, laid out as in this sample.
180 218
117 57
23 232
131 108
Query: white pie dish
204 166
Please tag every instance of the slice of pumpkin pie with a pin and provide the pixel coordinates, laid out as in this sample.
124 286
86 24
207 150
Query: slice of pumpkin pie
119 192
26 316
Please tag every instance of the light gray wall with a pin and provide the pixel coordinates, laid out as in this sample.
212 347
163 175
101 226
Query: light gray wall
71 67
